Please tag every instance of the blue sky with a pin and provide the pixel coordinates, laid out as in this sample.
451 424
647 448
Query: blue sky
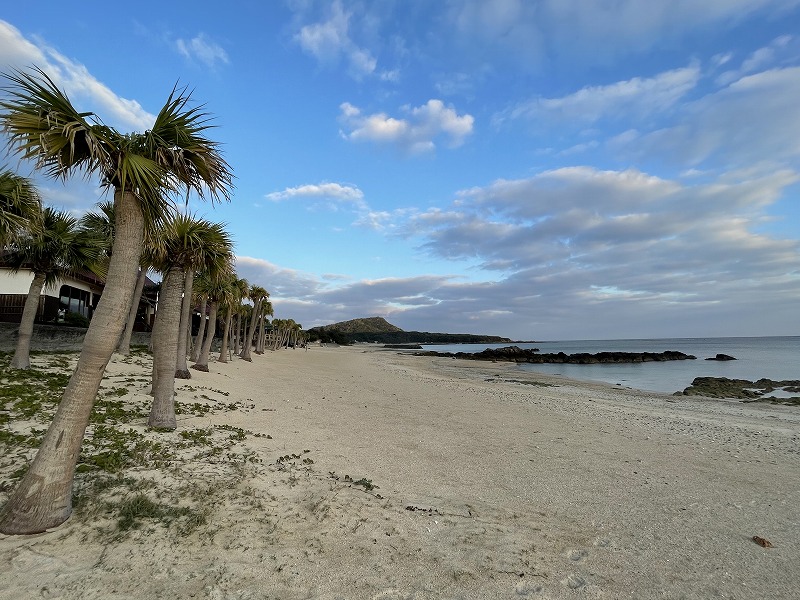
540 169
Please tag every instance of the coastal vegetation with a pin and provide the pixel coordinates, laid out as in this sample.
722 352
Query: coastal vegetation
141 230
378 330
58 245
122 466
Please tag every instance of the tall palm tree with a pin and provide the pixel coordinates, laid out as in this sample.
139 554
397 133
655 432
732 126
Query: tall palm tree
217 286
143 169
186 243
258 295
266 310
101 224
57 247
230 301
242 312
185 325
20 205
202 297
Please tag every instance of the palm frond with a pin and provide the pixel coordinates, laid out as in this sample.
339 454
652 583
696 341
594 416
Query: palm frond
44 126
189 242
178 143
60 247
20 206
145 178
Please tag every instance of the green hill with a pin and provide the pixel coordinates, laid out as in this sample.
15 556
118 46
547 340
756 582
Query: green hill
368 325
378 330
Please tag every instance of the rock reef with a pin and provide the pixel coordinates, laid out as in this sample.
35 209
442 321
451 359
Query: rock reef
763 390
517 354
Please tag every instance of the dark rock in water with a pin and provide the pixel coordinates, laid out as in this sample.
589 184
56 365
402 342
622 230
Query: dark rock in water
403 346
742 389
722 357
517 354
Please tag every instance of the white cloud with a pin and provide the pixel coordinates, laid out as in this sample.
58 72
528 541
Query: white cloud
633 98
757 116
279 281
416 133
336 196
579 252
620 226
758 60
329 42
202 49
18 52
333 195
334 191
532 31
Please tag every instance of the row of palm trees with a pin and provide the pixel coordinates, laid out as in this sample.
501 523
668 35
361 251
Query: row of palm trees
141 229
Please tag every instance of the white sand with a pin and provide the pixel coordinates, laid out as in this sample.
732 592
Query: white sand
488 489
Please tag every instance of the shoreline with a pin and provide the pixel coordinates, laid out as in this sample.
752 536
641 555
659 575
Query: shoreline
486 481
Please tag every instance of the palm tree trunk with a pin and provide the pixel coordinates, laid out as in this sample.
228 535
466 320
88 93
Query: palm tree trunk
259 331
247 341
22 355
198 340
237 342
223 351
124 346
181 368
262 339
202 360
43 498
165 347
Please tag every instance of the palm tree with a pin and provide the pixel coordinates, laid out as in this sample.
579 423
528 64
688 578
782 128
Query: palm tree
142 169
101 224
230 300
20 205
266 310
198 340
186 243
238 290
217 286
185 325
242 313
257 294
54 249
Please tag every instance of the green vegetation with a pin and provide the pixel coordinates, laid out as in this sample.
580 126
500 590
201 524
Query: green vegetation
378 330
132 511
744 390
73 319
128 476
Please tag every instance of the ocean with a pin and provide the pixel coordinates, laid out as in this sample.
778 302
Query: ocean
776 358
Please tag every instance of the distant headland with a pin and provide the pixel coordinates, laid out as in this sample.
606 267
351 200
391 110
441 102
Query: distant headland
379 330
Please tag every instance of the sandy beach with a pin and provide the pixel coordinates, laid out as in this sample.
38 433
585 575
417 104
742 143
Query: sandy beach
358 473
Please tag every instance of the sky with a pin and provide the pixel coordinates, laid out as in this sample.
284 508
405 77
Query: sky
535 169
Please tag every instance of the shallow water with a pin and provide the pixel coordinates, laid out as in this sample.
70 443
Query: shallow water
776 358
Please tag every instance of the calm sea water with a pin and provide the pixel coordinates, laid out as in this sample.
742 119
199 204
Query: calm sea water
775 358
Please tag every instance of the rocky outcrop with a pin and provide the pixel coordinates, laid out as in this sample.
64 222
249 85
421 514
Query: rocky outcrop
517 354
722 357
745 390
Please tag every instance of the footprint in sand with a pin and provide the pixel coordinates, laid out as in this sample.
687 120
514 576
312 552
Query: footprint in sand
577 555
392 594
574 582
526 588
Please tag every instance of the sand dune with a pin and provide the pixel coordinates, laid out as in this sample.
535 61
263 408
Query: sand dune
381 475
